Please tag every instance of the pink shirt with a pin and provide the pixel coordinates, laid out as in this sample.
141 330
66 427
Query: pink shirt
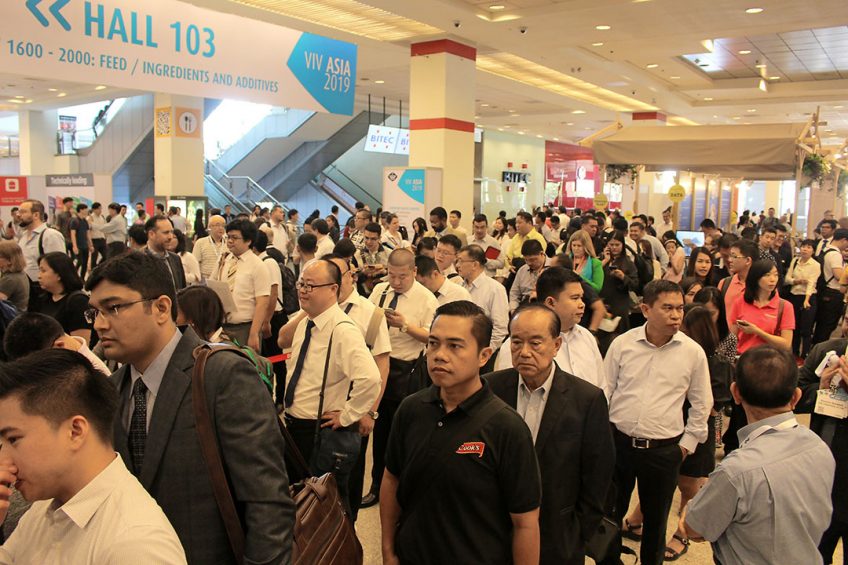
764 318
737 289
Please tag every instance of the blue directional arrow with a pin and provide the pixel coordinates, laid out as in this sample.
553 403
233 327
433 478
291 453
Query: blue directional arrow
54 9
31 6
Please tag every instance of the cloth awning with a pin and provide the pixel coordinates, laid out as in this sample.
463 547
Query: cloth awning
766 151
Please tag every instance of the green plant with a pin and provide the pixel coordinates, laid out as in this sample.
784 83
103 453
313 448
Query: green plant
618 172
815 168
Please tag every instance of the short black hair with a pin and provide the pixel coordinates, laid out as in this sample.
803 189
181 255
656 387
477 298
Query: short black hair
307 242
840 234
81 207
452 240
426 243
653 290
321 226
373 227
457 213
531 247
345 248
292 212
767 376
747 248
203 309
770 229
831 223
359 205
334 209
708 223
554 323
65 269
334 271
57 384
475 253
67 199
138 234
141 272
261 243
481 325
151 222
781 228
114 206
426 266
481 218
439 212
552 281
726 240
246 228
30 332
96 205
526 216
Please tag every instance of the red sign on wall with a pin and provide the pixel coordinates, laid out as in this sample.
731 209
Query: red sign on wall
13 190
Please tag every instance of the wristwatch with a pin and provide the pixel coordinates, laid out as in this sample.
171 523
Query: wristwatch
404 327
373 414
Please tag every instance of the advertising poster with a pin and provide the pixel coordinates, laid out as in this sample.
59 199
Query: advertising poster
403 194
179 47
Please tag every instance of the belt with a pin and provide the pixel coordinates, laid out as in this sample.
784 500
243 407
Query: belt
647 443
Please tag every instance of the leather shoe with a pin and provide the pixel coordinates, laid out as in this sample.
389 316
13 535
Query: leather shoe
369 500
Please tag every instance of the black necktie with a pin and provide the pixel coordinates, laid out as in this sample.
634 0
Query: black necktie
298 367
138 425
393 302
437 293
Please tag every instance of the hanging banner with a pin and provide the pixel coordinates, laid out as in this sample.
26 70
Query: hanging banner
411 192
180 48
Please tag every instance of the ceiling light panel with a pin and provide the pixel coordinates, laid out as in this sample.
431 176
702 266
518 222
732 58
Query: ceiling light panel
348 16
512 66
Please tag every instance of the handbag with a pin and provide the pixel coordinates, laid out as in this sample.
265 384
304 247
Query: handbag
323 535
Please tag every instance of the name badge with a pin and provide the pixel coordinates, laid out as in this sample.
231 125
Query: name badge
832 403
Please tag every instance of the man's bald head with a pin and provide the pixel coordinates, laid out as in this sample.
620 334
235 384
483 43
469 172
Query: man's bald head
217 226
402 258
401 270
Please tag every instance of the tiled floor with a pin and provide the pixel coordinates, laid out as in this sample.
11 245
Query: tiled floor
368 529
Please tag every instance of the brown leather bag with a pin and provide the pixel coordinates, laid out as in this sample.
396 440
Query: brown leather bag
323 535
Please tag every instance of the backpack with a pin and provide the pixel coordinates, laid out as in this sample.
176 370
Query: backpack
644 269
287 297
821 283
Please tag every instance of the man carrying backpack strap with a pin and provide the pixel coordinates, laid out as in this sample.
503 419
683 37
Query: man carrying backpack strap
830 295
36 240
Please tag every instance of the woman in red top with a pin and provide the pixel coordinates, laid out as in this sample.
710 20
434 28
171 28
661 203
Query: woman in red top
760 316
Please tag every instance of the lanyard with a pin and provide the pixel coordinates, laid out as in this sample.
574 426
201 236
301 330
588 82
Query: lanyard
785 425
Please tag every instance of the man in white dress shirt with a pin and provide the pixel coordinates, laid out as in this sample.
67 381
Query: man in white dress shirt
480 236
281 232
446 251
445 291
486 292
56 418
651 371
327 342
560 290
321 229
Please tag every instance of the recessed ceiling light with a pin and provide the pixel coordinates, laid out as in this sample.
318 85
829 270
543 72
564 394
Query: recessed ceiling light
61 94
737 117
379 82
598 44
510 111
496 7
514 115
578 111
569 123
745 52
28 100
476 117
774 78
521 133
708 99
754 11
484 105
674 78
761 65
15 100
500 129
539 136
838 107
52 90
752 110
101 87
603 27
652 66
837 156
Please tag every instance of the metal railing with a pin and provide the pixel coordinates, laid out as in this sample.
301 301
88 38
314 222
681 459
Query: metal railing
249 187
346 183
228 196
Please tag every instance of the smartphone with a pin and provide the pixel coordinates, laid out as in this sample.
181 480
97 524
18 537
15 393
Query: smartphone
390 311
741 323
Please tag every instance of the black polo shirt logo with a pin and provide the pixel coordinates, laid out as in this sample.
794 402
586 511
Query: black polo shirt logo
472 448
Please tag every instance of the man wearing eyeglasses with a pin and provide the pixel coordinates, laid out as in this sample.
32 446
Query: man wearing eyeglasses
651 371
446 250
133 305
249 283
326 344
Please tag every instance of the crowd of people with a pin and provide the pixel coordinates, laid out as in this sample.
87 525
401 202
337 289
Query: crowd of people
519 380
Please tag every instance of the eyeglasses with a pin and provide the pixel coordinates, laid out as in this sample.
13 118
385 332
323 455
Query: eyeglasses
307 288
110 311
235 238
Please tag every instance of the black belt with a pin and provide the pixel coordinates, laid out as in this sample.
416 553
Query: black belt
301 423
647 443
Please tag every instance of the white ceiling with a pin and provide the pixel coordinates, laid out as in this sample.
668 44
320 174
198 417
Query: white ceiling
805 44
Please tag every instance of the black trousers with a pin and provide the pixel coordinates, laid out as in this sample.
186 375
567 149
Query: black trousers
829 540
82 262
654 472
357 480
804 320
116 248
397 387
830 309
99 253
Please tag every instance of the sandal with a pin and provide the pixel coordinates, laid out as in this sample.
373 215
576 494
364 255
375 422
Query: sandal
628 531
674 554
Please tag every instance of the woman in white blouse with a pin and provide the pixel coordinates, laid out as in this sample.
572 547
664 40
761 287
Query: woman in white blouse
677 258
392 238
190 264
802 275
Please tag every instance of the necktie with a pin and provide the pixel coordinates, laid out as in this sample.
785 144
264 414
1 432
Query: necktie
437 293
231 273
138 425
298 367
393 302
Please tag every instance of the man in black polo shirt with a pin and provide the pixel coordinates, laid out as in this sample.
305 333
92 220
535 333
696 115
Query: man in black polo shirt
462 482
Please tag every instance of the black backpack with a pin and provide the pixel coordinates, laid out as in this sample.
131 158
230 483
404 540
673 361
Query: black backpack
644 269
821 283
288 294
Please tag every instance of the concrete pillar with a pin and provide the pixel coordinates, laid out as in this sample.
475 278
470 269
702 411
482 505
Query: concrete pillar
37 141
178 145
441 118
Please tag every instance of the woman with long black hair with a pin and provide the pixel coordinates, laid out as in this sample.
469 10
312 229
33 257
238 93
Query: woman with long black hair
760 316
620 279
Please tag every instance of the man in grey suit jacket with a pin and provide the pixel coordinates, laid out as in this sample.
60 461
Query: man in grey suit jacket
133 307
568 419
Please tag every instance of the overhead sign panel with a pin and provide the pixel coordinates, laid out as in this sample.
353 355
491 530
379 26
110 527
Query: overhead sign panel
175 47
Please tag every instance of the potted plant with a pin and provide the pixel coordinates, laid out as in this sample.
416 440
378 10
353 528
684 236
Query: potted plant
815 168
617 173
